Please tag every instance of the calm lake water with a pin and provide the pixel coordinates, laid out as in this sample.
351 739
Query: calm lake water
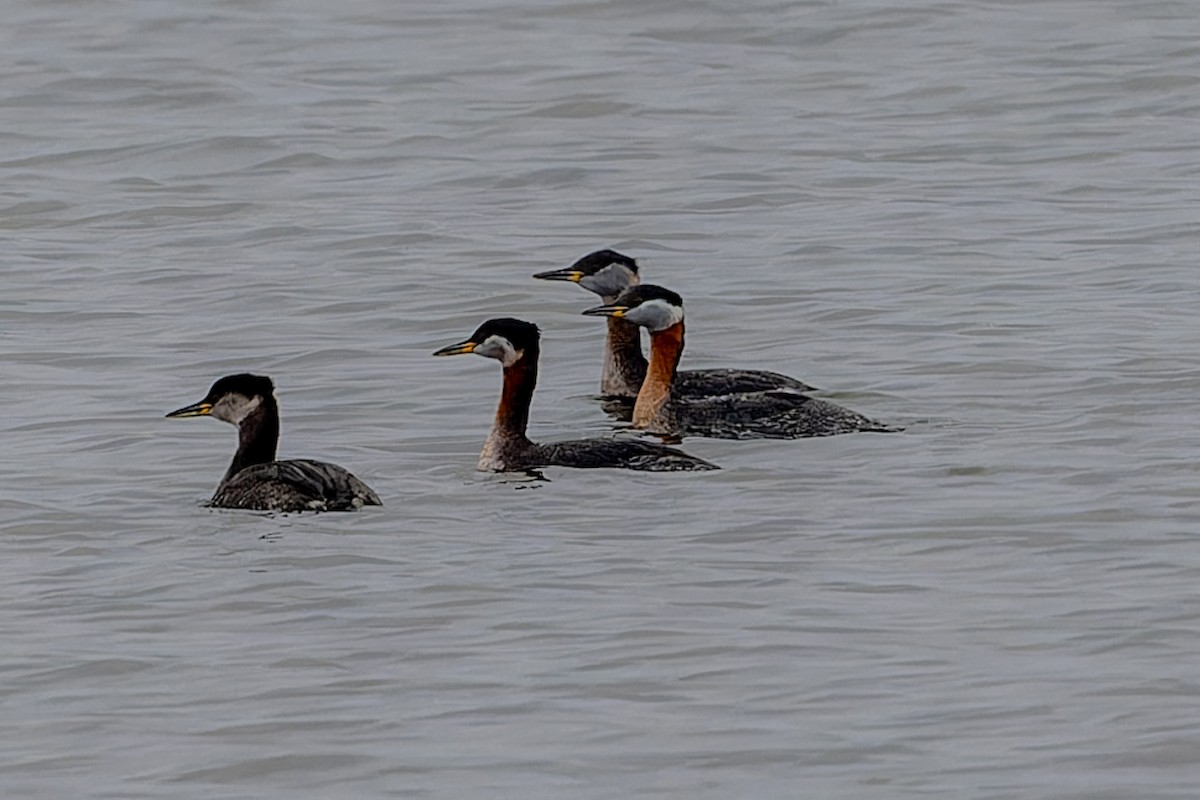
975 219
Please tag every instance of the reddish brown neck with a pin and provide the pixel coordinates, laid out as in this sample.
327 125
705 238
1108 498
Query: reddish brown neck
507 443
512 415
666 347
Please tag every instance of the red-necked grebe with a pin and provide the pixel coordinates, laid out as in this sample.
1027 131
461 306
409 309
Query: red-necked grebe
515 344
762 415
255 480
607 273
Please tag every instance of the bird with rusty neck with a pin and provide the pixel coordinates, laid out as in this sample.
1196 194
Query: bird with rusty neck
516 345
661 409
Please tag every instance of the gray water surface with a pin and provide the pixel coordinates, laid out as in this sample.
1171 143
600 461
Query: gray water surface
974 219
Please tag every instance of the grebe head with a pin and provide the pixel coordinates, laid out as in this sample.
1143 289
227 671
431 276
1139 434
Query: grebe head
604 272
504 339
231 399
650 306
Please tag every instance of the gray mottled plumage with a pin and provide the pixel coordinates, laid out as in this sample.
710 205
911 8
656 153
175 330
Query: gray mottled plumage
716 382
294 485
766 415
507 452
619 453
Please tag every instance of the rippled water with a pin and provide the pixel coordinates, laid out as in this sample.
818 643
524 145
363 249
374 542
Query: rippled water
976 219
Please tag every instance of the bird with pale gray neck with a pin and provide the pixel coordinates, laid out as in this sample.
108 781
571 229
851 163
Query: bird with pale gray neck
607 273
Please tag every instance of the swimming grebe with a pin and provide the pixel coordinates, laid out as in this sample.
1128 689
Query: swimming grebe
608 273
659 408
515 344
255 480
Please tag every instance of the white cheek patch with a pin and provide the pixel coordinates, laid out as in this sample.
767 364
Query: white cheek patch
656 314
610 281
234 408
501 349
511 356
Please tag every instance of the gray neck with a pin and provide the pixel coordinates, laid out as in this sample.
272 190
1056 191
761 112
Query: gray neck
624 364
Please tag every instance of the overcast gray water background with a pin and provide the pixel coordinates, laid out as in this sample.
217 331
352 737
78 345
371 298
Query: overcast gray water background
975 219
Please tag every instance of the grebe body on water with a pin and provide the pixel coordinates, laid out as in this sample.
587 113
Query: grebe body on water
762 415
255 480
516 344
607 273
